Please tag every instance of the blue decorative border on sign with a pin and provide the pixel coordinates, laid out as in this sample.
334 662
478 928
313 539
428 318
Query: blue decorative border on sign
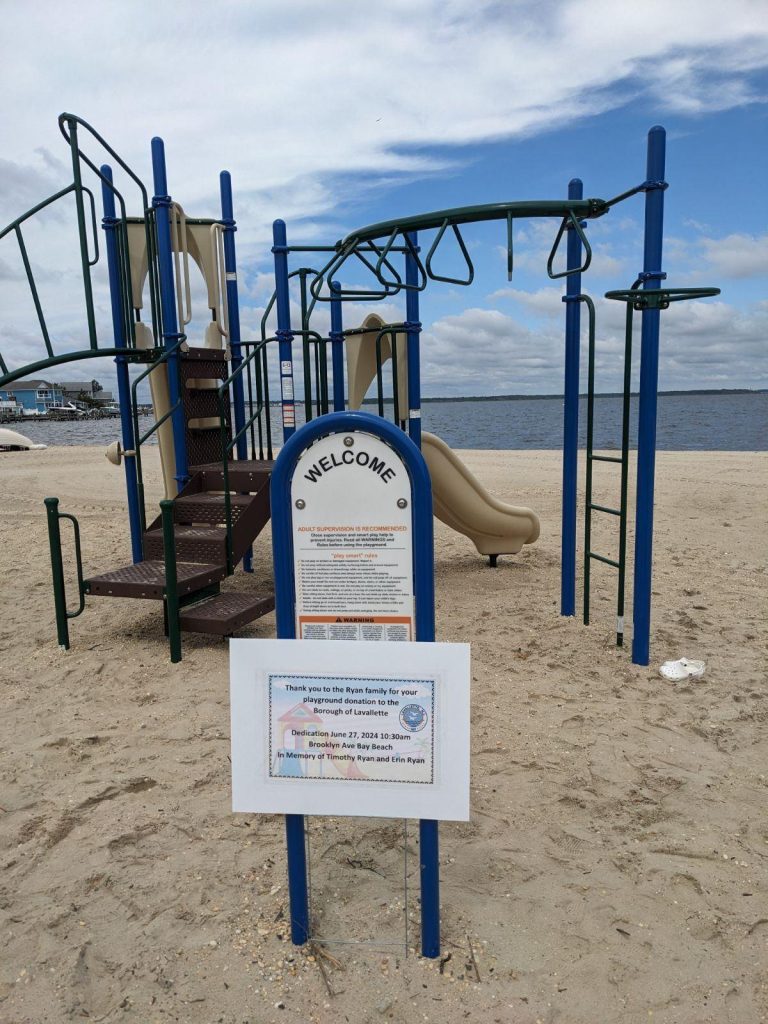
389 681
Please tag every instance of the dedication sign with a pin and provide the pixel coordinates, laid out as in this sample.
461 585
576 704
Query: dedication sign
321 728
352 541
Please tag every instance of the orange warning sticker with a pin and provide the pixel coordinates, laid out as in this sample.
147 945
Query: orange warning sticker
355 627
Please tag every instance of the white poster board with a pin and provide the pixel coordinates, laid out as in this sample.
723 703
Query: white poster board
352 541
332 728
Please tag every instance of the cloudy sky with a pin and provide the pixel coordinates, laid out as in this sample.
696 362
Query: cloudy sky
337 114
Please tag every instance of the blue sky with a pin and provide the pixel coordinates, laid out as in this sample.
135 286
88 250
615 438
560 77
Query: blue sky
336 115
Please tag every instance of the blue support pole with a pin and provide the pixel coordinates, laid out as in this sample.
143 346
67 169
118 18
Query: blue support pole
233 307
571 417
429 842
109 223
414 332
161 203
649 384
337 348
283 332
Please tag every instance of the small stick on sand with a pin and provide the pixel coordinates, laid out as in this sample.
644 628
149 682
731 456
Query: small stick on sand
472 955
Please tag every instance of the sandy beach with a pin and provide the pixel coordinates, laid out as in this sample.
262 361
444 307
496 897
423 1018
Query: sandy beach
615 868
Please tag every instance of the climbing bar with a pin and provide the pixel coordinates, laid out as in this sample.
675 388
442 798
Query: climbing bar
468 262
602 558
606 458
660 298
605 508
57 570
570 223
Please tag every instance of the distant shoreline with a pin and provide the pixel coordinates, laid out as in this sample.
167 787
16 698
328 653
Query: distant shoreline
601 394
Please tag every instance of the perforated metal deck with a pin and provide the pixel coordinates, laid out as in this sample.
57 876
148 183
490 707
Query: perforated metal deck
147 580
224 613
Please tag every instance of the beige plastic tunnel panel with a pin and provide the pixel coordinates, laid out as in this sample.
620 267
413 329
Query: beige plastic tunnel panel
459 499
199 248
461 502
161 403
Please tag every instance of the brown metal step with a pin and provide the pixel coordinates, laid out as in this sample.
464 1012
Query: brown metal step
199 354
192 543
208 508
225 613
243 474
147 579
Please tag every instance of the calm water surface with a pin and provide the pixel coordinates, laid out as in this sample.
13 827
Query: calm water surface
685 423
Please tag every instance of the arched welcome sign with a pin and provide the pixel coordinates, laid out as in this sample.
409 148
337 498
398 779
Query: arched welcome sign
353 550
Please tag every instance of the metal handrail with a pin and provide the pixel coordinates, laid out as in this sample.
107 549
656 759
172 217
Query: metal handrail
228 444
140 439
57 570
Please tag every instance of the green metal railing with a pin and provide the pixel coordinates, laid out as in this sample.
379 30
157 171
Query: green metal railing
257 357
636 298
71 128
171 590
63 615
396 235
139 438
622 460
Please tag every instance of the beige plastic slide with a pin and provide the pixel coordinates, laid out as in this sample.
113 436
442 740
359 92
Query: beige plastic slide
459 499
461 502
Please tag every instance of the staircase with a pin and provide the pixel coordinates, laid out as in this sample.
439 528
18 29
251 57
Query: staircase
200 518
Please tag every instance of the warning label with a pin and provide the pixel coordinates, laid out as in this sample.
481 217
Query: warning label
373 627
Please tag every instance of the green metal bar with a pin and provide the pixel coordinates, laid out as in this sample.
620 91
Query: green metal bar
625 417
78 565
660 298
572 224
305 354
36 209
395 382
604 508
428 262
57 571
139 438
33 289
171 582
379 380
584 209
602 558
590 457
87 284
43 364
604 458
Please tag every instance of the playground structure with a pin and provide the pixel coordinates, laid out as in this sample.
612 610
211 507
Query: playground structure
211 398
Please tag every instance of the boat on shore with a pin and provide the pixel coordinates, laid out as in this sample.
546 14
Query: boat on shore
12 441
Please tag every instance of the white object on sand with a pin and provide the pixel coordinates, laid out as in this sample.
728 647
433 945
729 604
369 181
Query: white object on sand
682 669
11 441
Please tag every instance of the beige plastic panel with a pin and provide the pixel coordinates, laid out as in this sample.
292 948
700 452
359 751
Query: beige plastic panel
361 363
161 403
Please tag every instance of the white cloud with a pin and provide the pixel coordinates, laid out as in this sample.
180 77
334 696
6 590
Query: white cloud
314 106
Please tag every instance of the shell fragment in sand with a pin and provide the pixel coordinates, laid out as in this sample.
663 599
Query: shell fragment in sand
682 669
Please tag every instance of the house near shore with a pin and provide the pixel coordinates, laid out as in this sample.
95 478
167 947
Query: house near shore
35 397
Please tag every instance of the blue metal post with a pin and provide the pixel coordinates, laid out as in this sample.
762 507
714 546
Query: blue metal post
109 223
571 417
649 384
414 331
283 332
424 594
337 348
429 843
161 203
233 307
